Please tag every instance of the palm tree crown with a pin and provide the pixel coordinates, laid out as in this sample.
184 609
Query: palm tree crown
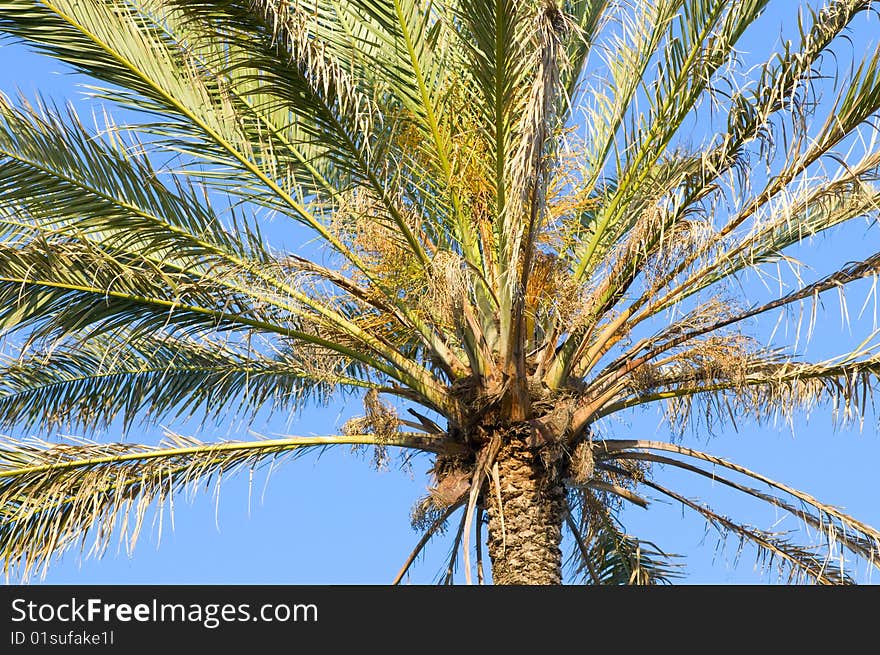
530 215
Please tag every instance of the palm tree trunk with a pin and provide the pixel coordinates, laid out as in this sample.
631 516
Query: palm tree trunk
525 530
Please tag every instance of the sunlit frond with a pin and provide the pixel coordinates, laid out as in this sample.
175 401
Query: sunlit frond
55 495
81 385
757 388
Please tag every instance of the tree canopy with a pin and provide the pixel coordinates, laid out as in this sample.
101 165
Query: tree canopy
521 219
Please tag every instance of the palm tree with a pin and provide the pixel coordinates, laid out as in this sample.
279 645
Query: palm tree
531 215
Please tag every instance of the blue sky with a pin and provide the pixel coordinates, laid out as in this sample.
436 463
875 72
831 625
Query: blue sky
333 519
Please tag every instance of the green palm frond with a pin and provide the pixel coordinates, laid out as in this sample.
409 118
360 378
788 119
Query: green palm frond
104 191
497 41
853 110
61 288
792 220
54 290
293 65
85 385
694 47
752 113
151 241
606 555
626 57
55 495
825 209
785 79
280 55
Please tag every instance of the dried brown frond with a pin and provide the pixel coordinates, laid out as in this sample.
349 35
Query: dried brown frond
614 484
726 357
685 237
293 27
797 563
837 528
528 167
568 198
607 554
705 315
768 390
451 482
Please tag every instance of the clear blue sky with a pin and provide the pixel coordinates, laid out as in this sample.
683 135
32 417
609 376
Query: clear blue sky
333 520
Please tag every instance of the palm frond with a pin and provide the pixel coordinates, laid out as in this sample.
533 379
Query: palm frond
85 385
56 290
807 213
698 42
437 526
626 57
109 41
55 495
284 45
140 245
836 526
495 38
762 389
105 191
859 101
686 336
606 555
751 114
795 562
